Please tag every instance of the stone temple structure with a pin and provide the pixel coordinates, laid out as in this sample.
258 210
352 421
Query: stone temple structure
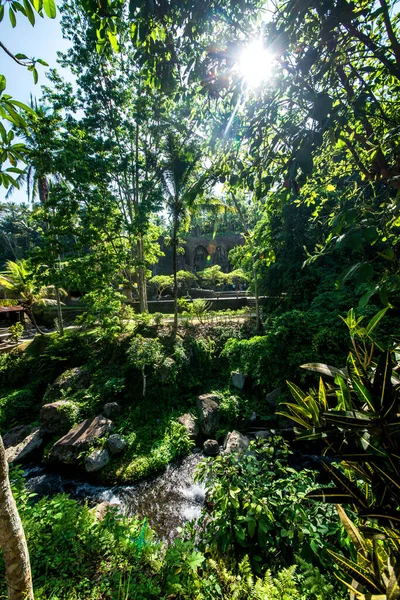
199 253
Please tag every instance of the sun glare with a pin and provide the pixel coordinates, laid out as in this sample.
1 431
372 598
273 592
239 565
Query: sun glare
255 64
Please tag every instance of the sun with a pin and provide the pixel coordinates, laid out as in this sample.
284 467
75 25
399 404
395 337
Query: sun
256 64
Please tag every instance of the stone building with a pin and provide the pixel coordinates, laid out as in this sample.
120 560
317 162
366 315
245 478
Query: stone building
199 253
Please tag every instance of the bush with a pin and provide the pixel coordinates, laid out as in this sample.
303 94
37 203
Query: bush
292 339
259 507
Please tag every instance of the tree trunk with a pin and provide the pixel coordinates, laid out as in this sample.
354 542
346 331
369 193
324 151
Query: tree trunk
142 290
144 378
43 186
174 261
258 318
59 313
29 311
12 539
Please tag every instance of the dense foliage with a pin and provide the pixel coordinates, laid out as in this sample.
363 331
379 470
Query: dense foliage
169 131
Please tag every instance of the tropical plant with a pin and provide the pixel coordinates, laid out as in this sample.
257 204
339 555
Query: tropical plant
161 283
355 418
20 280
259 507
144 353
213 277
185 280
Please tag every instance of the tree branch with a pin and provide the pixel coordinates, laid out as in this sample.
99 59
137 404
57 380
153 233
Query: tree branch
374 48
391 34
11 55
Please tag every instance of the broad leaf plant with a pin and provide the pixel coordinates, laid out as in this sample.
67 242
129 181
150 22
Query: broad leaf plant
354 417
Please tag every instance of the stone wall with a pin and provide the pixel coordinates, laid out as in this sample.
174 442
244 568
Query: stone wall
199 253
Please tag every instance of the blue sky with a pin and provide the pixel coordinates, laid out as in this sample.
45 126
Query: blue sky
43 40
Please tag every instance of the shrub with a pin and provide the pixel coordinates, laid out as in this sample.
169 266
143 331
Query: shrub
259 507
16 332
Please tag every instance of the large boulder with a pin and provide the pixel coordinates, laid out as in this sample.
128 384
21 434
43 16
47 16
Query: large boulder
96 460
57 417
238 380
80 438
211 448
116 443
236 442
111 410
75 379
191 425
207 405
272 398
26 449
16 435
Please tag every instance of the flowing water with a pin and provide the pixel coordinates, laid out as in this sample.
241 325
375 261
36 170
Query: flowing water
167 500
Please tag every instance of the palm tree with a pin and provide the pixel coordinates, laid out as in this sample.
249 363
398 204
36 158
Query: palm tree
19 280
39 138
182 183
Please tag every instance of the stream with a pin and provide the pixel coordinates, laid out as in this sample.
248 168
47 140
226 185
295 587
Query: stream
167 500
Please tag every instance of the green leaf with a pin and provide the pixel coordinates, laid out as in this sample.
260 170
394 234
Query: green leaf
42 62
195 560
345 483
362 392
389 478
24 107
384 516
295 418
29 12
251 526
325 369
1 12
113 41
343 394
382 386
35 76
375 320
322 394
350 418
3 83
50 8
12 17
297 393
363 576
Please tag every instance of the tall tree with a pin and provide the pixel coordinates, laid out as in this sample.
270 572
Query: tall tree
115 141
184 178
